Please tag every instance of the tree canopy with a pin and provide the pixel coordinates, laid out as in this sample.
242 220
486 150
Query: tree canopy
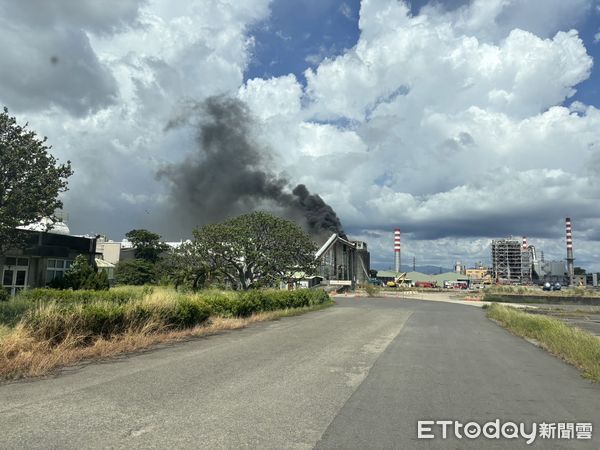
255 249
147 245
136 272
185 267
30 178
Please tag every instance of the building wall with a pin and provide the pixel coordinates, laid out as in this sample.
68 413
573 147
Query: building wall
110 251
38 254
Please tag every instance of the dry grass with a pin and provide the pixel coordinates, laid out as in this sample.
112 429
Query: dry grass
21 355
5 330
573 345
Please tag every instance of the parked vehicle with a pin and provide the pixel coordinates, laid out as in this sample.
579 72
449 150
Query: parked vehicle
552 286
375 282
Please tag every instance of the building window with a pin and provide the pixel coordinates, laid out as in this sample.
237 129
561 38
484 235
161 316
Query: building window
14 274
56 269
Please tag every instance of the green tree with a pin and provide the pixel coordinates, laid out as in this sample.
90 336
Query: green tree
147 245
578 271
30 179
82 275
136 272
184 266
255 249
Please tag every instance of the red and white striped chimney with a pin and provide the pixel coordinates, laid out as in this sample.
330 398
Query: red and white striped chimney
570 259
397 249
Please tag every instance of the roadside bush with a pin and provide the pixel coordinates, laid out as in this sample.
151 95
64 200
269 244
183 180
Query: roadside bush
4 295
55 315
115 295
246 303
85 322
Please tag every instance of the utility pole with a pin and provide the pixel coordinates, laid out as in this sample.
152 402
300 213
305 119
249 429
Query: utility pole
414 264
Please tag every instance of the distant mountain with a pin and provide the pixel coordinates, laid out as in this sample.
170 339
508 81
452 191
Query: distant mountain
429 270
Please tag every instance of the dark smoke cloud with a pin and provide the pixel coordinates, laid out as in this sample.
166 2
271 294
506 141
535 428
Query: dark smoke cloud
228 174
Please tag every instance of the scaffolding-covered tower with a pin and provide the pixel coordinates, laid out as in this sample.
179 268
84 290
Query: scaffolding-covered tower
511 261
526 262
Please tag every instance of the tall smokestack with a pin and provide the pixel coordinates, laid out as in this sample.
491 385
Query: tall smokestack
397 249
570 259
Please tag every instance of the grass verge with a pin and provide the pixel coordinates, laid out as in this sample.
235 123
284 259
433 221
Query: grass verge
573 345
22 355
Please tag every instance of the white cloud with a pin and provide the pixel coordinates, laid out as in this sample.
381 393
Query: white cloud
282 95
451 125
170 54
454 135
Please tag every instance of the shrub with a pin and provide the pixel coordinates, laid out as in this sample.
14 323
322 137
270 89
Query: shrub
246 303
4 295
54 315
115 295
82 275
135 272
54 322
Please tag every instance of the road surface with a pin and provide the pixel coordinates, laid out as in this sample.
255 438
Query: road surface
357 375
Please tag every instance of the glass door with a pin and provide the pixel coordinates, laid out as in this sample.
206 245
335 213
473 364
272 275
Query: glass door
14 274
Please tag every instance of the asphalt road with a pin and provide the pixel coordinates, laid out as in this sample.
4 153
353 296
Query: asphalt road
358 375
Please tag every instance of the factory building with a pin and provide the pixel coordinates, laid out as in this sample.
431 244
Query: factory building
549 272
511 262
343 262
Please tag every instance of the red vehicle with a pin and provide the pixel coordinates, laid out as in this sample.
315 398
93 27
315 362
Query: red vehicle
425 284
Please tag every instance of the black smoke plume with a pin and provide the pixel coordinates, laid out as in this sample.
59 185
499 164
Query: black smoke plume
229 172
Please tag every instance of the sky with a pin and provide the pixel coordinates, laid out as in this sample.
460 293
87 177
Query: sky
456 121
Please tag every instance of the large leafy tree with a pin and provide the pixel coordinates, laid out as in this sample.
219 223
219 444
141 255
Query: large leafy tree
255 249
30 179
185 267
136 272
147 245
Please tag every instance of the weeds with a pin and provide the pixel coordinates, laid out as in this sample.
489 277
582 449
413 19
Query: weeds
573 345
371 290
41 333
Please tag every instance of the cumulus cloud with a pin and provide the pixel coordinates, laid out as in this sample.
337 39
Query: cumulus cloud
494 19
455 125
51 62
449 133
154 60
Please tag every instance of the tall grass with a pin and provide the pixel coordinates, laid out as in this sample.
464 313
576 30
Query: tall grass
58 315
575 346
44 329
